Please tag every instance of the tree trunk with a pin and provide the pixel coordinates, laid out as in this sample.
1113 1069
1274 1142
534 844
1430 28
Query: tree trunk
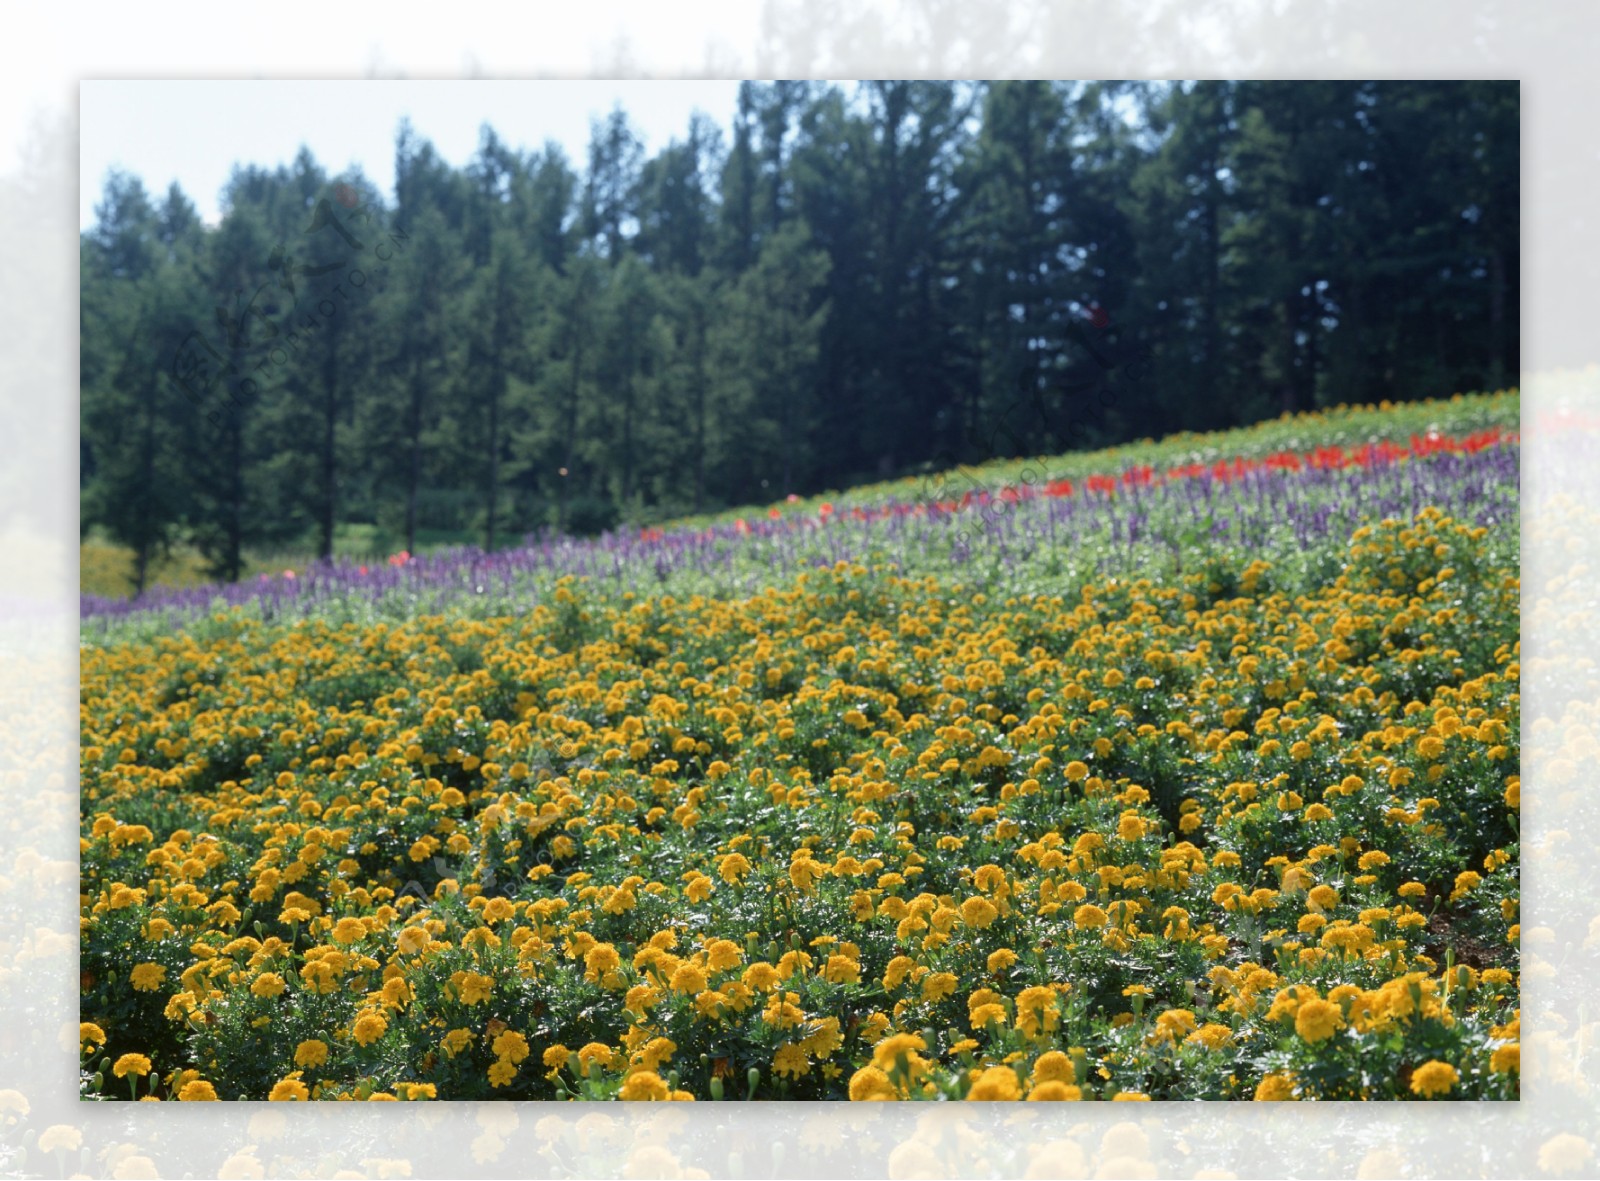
494 456
141 557
570 431
414 474
1310 384
1290 402
330 417
627 435
1497 318
788 404
1210 394
698 376
234 554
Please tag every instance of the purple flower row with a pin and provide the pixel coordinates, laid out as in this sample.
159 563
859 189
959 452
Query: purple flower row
1090 531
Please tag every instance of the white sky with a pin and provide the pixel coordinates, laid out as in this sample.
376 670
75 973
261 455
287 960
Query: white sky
195 131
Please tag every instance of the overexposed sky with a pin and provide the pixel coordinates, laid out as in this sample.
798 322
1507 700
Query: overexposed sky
195 131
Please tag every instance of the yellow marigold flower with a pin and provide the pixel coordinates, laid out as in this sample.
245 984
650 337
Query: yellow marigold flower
412 940
1322 898
1089 916
594 1052
1053 1066
1038 1010
197 1091
688 978
369 1027
1211 1035
90 1035
456 1041
827 1039
790 1060
644 1085
1000 960
396 992
555 1059
898 968
981 1015
939 985
311 1053
1373 860
1054 1090
1294 880
841 969
655 1053
1317 1020
511 1046
804 872
1076 772
599 960
761 976
128 1064
1175 1023
289 1090
998 1083
983 996
1507 1059
733 868
889 1050
989 878
501 1072
1130 827
1430 747
1434 1078
349 930
268 984
870 1083
722 954
475 988
638 999
1275 1088
147 977
497 910
978 912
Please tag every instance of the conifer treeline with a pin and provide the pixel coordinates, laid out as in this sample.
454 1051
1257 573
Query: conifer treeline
846 283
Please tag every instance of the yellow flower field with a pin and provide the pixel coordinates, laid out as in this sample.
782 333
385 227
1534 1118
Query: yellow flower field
866 835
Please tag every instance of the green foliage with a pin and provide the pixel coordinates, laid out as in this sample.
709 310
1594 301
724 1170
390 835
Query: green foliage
855 283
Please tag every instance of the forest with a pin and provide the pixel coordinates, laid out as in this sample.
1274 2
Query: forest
848 283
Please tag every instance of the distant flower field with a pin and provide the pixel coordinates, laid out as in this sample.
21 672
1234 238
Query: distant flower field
1162 774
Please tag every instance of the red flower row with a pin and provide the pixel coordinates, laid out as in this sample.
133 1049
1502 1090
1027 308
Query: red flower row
1330 457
